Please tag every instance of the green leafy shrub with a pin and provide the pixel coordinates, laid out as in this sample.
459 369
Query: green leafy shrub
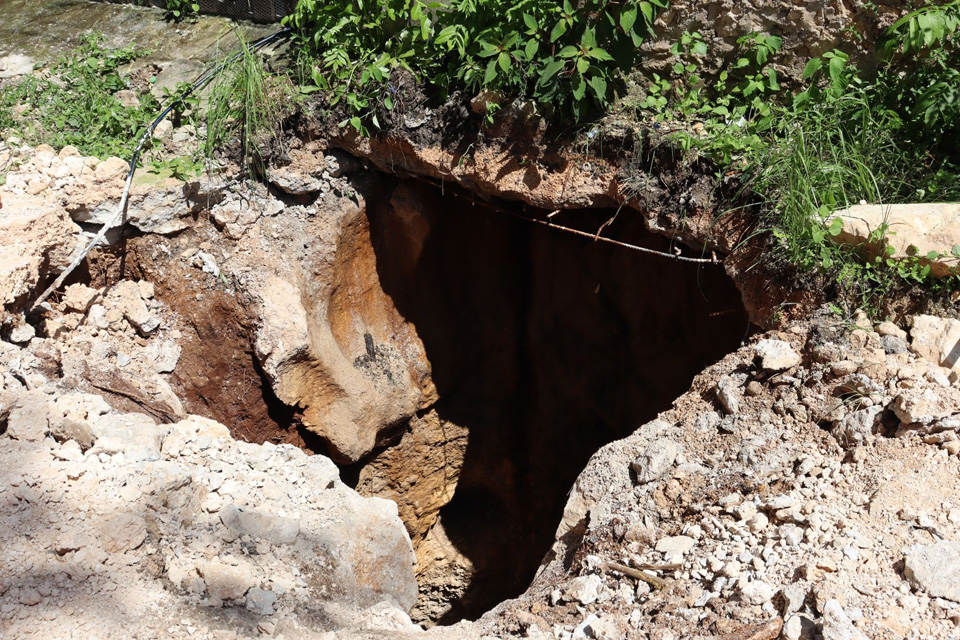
924 78
179 10
841 140
570 59
76 103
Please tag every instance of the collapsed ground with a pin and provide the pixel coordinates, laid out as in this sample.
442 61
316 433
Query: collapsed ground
452 357
400 277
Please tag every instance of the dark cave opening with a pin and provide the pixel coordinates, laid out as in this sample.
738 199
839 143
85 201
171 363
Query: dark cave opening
543 346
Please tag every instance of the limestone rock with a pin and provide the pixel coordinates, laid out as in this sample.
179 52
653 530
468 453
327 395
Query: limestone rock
68 429
135 435
887 328
161 206
936 340
15 64
123 532
728 393
36 187
925 405
799 627
914 230
340 163
22 333
261 601
27 417
837 625
125 296
164 355
756 592
935 568
111 169
343 353
293 181
776 355
585 589
857 427
38 240
265 526
79 297
225 582
674 547
656 460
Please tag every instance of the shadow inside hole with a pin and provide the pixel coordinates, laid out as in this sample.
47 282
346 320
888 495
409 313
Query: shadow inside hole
545 346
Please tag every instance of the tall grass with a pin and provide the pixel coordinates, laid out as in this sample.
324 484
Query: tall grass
830 156
246 104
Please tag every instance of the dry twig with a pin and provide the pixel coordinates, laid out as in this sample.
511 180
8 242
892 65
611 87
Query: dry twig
636 574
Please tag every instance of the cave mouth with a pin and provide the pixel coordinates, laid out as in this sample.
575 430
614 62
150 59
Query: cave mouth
543 346
540 348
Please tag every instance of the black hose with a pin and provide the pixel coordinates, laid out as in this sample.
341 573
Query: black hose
202 80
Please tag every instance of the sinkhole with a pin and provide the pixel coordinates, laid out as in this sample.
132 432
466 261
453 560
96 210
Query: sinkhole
539 347
543 347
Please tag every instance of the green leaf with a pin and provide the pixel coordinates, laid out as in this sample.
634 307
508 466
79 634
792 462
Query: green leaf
551 70
599 86
628 18
955 251
772 80
700 48
933 255
836 226
491 73
388 103
569 52
837 65
589 39
647 10
558 30
579 88
762 56
812 67
599 54
531 22
531 49
582 65
446 34
504 61
487 50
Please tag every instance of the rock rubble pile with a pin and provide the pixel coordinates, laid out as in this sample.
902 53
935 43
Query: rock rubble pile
806 487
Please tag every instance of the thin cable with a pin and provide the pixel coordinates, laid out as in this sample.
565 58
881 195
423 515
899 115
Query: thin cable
626 245
201 81
585 234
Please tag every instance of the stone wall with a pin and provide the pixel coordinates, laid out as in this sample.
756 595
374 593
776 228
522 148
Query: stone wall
809 28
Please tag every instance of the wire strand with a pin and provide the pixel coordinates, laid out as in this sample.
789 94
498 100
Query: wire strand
201 80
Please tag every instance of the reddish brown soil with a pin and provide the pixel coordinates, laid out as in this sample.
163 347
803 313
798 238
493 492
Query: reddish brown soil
217 375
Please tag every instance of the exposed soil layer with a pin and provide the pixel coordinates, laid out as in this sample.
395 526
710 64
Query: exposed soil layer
218 375
543 347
